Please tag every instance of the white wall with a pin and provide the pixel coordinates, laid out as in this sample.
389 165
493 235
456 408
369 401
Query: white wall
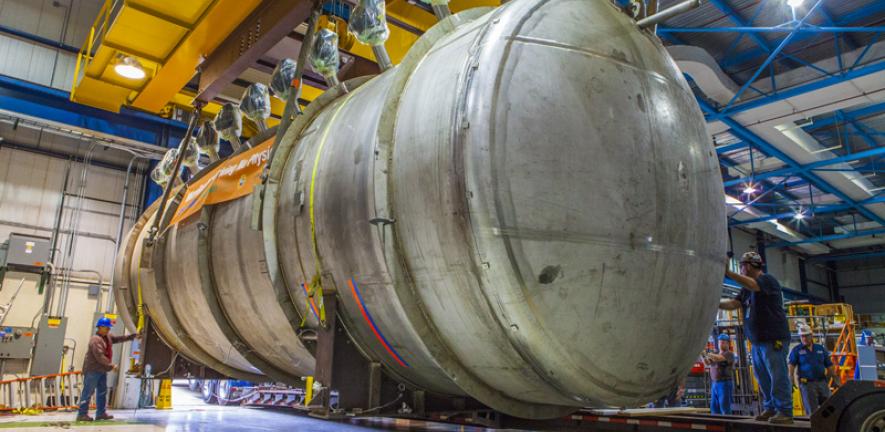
30 186
784 265
38 63
868 298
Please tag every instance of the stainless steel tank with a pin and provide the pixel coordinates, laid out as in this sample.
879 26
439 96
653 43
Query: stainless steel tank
527 210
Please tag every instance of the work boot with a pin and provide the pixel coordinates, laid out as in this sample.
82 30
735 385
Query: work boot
84 418
781 419
767 414
105 416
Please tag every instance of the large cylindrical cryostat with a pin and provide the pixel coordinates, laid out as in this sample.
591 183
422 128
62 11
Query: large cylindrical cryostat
527 210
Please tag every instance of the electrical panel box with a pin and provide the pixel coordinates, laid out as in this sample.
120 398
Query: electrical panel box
49 346
16 342
27 251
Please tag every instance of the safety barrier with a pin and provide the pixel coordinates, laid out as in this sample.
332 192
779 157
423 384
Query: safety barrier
46 393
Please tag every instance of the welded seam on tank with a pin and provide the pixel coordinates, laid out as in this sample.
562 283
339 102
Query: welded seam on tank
586 238
460 189
659 154
499 189
218 310
589 52
317 278
187 345
270 198
404 284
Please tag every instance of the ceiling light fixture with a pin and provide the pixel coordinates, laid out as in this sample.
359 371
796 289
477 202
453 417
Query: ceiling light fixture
129 67
749 189
795 3
799 215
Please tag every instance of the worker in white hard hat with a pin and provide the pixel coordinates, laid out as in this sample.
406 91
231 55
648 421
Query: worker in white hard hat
810 364
765 324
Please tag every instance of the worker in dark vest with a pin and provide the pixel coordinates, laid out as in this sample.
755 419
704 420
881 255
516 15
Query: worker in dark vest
96 366
813 363
765 324
722 376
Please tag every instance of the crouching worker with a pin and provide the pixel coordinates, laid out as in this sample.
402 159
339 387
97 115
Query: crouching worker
96 366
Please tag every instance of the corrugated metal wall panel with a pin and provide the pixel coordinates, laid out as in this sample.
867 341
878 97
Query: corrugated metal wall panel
34 62
30 185
31 62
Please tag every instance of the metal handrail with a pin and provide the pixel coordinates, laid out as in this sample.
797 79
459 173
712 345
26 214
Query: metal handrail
53 392
96 32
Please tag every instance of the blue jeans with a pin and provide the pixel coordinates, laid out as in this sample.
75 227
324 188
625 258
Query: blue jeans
720 397
770 367
94 382
814 393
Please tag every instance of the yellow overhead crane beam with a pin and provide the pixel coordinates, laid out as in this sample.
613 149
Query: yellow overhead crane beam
401 39
170 39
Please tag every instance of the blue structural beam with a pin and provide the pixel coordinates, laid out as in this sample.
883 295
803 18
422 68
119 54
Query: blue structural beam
816 210
773 55
779 29
734 16
745 134
713 115
802 169
849 19
856 114
731 147
826 238
846 257
38 39
29 99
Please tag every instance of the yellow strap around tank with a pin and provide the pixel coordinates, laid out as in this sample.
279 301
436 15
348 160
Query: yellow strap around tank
140 308
316 284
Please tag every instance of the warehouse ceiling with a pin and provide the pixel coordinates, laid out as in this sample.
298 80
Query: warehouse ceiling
794 98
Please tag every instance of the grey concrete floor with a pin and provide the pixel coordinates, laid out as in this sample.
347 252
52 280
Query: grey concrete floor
190 414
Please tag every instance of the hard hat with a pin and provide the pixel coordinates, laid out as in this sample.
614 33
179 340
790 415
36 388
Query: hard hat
104 322
804 330
752 258
724 337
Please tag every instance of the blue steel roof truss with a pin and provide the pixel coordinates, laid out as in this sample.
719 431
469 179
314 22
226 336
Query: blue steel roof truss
848 133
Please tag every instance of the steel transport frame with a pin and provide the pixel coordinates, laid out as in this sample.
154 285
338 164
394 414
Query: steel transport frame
358 384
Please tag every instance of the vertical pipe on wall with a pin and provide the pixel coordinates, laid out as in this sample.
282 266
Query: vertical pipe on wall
121 221
47 298
71 245
61 38
760 249
803 278
833 279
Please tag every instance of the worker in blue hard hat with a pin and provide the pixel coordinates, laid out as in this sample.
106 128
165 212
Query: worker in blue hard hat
810 364
96 366
722 375
765 324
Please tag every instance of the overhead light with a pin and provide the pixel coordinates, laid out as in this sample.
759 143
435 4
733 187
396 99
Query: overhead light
129 67
795 3
749 189
799 215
